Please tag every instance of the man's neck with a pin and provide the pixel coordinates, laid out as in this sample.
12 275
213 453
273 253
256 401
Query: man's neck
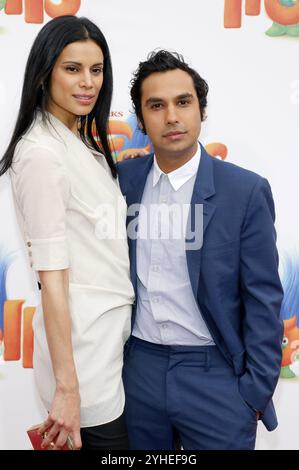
169 163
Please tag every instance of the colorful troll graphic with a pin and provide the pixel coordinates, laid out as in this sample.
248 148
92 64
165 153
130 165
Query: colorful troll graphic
290 347
125 138
286 25
290 316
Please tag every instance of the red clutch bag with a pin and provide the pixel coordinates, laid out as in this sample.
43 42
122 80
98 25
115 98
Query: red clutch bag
37 439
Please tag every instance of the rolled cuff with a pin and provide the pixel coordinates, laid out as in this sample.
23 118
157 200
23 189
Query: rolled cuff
48 254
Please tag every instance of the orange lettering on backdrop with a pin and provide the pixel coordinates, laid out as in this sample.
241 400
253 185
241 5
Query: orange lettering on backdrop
253 7
232 13
27 353
34 11
12 329
65 7
13 326
14 7
282 14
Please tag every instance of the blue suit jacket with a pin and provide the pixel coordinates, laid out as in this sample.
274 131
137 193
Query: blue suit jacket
234 276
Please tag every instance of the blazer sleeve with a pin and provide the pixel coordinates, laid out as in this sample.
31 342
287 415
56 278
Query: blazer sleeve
262 296
42 191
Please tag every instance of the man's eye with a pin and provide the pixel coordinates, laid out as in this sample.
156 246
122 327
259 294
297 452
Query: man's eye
184 102
156 106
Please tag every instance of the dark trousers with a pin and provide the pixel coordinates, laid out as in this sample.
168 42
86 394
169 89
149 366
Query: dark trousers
186 391
110 436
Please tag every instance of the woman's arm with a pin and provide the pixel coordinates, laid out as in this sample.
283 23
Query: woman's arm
64 415
42 189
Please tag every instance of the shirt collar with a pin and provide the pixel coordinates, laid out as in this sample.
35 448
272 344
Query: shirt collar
181 175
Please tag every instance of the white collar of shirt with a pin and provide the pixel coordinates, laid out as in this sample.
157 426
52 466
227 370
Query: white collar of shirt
181 175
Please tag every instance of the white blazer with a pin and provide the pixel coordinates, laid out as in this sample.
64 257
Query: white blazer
72 215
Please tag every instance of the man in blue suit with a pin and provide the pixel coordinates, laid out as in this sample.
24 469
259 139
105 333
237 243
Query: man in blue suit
204 356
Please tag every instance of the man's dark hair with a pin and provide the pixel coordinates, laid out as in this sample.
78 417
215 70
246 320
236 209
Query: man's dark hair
163 61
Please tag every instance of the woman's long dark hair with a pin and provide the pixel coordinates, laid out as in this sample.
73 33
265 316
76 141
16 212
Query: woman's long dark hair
48 45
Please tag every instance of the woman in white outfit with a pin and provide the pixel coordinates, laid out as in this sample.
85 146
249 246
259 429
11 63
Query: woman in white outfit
72 216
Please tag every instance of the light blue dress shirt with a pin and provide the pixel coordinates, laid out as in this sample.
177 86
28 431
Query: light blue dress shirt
167 312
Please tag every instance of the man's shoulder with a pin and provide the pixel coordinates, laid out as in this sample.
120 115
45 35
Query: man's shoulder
234 177
127 168
132 169
134 162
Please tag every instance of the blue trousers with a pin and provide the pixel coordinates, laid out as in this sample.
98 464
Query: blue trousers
189 391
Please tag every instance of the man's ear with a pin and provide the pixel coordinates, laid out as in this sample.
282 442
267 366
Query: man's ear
140 125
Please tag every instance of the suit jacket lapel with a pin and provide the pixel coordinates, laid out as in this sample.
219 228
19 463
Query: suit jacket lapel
203 189
134 196
137 182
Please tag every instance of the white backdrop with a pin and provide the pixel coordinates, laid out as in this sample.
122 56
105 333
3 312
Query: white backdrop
253 109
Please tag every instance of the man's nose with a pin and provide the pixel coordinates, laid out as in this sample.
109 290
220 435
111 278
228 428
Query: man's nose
171 116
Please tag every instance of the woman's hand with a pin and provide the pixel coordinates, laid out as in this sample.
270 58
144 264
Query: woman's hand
63 422
135 154
132 153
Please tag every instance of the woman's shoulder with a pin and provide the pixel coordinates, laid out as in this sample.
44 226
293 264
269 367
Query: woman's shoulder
43 132
36 164
39 141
